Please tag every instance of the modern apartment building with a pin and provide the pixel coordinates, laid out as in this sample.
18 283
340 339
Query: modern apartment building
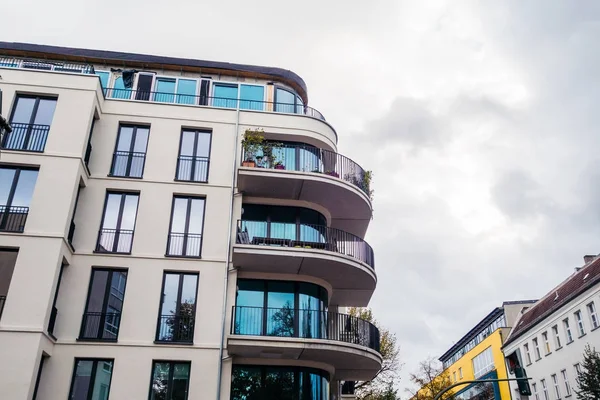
548 340
148 251
478 354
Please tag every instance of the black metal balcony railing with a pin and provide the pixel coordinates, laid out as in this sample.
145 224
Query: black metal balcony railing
45 65
52 320
114 241
27 137
2 301
308 236
100 326
175 328
304 158
13 218
184 244
309 324
211 101
193 169
128 164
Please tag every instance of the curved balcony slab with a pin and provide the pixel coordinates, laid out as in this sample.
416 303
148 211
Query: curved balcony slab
350 207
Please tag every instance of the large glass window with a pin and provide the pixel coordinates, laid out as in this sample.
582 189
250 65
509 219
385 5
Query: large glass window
281 383
119 91
104 79
225 95
252 97
170 380
91 379
483 363
280 308
194 155
288 102
103 309
186 91
177 308
30 122
16 190
118 223
187 222
130 152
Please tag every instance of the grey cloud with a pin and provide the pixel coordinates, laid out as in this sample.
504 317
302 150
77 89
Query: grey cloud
519 197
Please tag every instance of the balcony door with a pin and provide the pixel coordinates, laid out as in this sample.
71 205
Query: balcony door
16 190
130 151
104 305
176 319
30 122
118 223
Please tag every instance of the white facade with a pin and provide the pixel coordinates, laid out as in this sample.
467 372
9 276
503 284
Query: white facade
558 355
32 280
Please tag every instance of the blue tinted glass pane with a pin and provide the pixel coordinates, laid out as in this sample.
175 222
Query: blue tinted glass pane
81 380
165 89
6 180
280 312
186 91
285 101
256 229
299 105
25 187
103 78
252 97
102 380
283 230
119 91
225 95
249 311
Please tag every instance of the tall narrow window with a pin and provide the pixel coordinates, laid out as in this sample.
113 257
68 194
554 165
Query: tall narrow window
527 353
104 305
535 391
546 343
565 378
104 77
460 373
556 386
577 369
91 379
130 152
288 102
170 380
186 91
30 122
16 190
194 155
54 311
118 223
177 308
557 342
165 90
544 389
580 325
593 315
187 221
567 328
536 347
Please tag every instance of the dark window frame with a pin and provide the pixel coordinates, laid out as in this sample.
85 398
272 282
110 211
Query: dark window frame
181 274
11 194
296 98
119 220
187 225
95 361
110 271
31 119
197 132
131 152
170 379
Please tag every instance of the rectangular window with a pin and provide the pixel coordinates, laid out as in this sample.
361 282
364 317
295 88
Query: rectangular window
104 304
104 77
16 190
177 308
544 389
567 328
565 379
119 91
546 343
187 222
91 379
194 155
535 391
118 223
454 376
527 353
460 373
252 97
556 386
536 347
593 315
170 380
30 122
483 363
186 91
130 151
557 342
225 95
577 369
580 325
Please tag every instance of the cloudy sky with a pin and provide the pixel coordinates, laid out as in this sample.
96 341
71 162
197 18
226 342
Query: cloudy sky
480 121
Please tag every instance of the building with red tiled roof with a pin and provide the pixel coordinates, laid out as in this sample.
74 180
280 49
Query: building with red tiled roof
548 339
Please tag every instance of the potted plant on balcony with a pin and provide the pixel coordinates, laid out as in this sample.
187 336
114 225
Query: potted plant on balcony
366 184
279 165
332 173
267 149
252 143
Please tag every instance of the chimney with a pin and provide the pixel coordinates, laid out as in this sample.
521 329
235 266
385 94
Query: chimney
588 258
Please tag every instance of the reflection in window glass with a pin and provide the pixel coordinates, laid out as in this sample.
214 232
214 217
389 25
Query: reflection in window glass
178 308
225 95
170 380
118 223
30 122
16 191
185 236
186 91
251 97
91 379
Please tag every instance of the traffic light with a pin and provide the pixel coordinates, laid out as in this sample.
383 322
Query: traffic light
522 383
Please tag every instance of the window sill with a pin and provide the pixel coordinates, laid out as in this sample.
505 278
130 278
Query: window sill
558 348
547 354
528 364
189 181
580 336
567 396
173 342
538 359
112 252
125 176
596 328
568 343
96 340
185 257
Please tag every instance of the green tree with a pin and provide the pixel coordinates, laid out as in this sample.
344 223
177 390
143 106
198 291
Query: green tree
588 378
381 387
430 379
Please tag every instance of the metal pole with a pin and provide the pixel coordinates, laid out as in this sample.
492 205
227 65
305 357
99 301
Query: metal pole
437 396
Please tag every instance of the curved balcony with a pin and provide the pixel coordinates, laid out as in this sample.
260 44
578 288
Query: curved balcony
340 258
351 345
323 177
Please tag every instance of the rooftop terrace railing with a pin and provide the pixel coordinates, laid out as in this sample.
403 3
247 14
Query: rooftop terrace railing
46 65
